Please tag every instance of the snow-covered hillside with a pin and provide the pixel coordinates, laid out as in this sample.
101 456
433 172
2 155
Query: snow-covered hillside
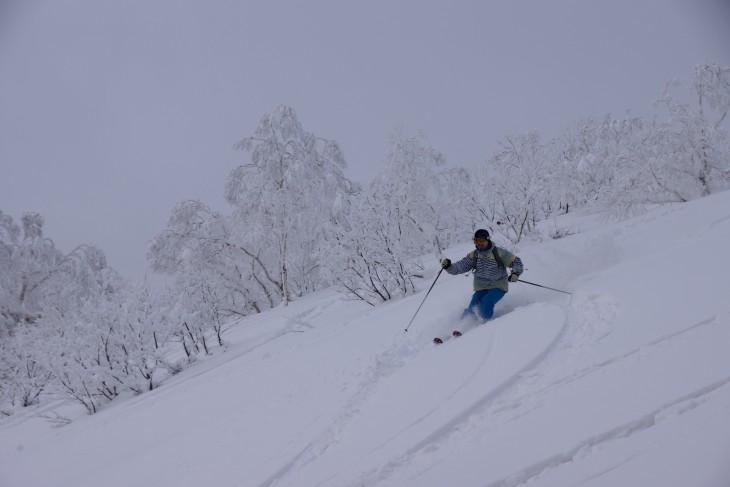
624 383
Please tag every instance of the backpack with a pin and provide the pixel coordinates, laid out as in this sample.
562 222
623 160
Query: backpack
497 258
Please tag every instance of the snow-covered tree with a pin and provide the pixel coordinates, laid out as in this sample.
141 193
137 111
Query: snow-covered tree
600 162
518 181
368 261
37 279
287 199
412 187
24 376
199 316
114 345
394 223
685 157
693 144
465 203
201 243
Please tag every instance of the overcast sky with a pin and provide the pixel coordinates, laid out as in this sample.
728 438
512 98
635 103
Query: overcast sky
111 112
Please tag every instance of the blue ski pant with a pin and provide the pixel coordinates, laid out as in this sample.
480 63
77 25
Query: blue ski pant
482 304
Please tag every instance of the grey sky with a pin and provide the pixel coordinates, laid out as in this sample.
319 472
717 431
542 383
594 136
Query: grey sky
113 111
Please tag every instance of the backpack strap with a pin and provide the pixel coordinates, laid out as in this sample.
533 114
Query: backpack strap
497 258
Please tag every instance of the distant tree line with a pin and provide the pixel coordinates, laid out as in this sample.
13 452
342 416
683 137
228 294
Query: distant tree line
70 325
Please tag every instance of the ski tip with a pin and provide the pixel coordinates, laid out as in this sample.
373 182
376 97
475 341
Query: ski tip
437 340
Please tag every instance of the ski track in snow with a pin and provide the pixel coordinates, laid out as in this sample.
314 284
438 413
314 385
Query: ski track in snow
519 395
382 366
643 350
664 412
718 222
669 410
444 432
525 398
463 384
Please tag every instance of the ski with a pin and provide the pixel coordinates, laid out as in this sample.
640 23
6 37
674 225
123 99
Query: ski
439 340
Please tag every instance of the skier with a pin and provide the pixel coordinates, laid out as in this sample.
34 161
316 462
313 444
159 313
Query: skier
489 264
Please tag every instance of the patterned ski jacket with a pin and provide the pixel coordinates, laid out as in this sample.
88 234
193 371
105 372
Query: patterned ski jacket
488 273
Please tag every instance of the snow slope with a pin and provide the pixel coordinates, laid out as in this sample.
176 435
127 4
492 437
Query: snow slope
624 383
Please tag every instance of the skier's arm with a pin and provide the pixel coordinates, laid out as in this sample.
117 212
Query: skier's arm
516 266
511 261
464 265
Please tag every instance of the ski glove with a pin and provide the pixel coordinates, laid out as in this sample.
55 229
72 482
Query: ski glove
446 263
513 277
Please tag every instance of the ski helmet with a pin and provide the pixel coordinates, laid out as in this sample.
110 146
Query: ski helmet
481 233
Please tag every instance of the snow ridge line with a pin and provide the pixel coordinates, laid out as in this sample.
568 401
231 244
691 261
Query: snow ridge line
231 356
442 433
680 406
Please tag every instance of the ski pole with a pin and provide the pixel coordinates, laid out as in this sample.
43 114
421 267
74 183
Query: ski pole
424 300
540 285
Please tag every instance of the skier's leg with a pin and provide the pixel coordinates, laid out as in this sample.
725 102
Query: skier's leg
471 310
488 300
